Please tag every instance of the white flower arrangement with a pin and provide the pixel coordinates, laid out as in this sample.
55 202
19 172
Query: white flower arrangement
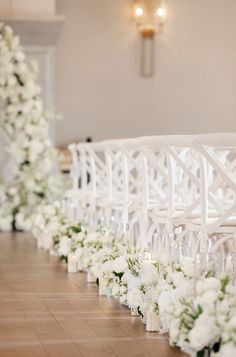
199 315
123 269
47 220
143 289
199 324
99 247
228 342
25 127
56 232
70 239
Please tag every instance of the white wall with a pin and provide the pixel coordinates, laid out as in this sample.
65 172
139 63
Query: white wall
99 88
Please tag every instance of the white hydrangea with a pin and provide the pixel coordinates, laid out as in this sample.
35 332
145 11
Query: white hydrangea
204 332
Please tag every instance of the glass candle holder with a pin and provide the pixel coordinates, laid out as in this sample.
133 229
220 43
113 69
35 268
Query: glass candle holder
207 266
230 267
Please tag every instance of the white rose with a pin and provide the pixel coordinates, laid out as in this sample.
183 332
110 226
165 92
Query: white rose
107 267
135 297
210 297
204 332
166 302
120 264
187 265
207 284
148 273
64 246
39 221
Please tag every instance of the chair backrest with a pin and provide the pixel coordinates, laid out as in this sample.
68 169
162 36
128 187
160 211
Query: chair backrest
167 168
217 155
75 165
184 168
115 173
93 178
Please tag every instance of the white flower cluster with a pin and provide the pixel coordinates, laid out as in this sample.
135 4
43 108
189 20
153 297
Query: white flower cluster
57 233
199 315
25 127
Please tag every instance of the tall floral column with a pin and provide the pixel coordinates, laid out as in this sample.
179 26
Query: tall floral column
32 176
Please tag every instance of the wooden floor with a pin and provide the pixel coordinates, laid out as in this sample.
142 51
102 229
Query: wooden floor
46 312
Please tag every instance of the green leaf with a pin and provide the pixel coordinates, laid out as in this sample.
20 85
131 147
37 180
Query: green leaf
63 258
76 229
216 346
119 275
224 282
210 274
40 194
140 313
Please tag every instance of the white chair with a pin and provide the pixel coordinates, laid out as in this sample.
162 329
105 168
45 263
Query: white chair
217 155
72 195
168 194
122 178
98 181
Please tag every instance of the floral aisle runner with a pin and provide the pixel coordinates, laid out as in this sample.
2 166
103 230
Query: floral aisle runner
25 127
199 315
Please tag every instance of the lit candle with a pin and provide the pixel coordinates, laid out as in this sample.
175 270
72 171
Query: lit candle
72 263
103 288
91 278
152 321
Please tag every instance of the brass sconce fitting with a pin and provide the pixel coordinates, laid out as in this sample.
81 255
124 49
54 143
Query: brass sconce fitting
150 16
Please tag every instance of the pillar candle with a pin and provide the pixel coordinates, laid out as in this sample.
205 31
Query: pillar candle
152 321
103 288
91 278
72 263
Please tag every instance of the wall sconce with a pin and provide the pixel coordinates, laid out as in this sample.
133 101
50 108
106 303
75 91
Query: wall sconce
150 17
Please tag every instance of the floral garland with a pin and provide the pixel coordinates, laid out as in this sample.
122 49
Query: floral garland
25 127
199 315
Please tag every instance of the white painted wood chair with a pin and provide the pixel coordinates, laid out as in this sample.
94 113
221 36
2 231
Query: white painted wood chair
169 182
122 179
217 158
73 194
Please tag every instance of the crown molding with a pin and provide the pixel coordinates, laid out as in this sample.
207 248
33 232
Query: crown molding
42 31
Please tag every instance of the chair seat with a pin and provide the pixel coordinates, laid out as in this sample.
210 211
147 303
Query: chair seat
180 212
230 222
117 202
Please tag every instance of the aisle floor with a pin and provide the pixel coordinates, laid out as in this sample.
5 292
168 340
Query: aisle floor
46 312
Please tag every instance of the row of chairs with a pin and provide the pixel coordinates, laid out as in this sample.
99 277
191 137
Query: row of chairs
173 186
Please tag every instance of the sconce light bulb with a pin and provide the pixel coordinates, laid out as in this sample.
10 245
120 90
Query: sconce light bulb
139 11
161 12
